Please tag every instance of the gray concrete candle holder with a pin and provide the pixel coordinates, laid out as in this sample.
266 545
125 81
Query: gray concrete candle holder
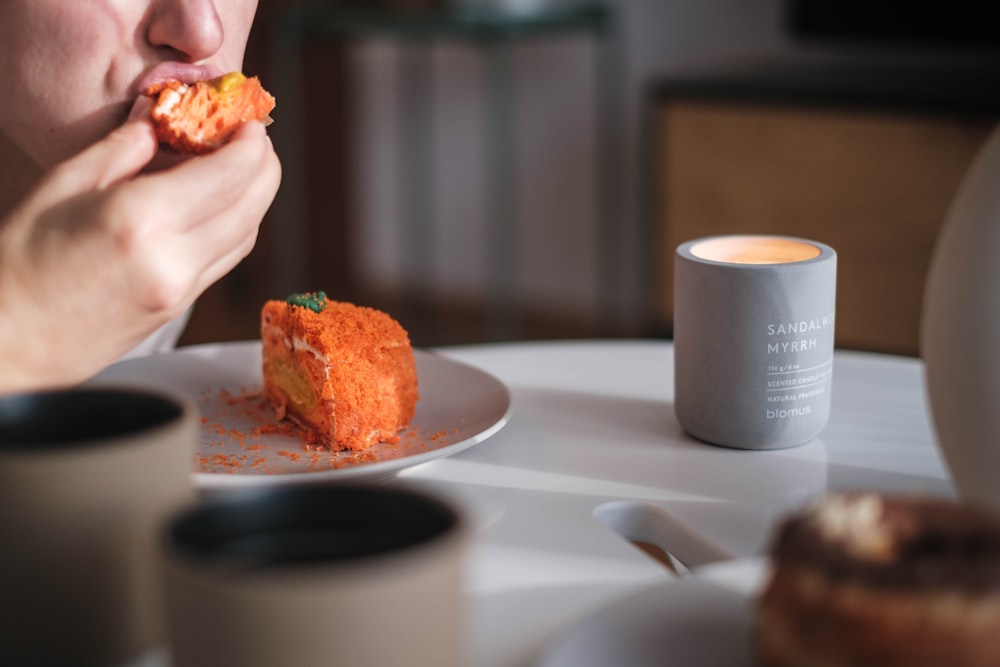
753 339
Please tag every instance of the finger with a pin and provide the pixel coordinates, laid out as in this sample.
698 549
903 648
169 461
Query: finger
205 251
213 238
212 185
141 108
207 186
119 156
173 283
225 263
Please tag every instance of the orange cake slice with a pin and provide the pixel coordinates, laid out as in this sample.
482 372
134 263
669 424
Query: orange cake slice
345 372
197 118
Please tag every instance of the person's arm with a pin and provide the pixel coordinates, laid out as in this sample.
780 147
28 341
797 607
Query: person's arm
98 256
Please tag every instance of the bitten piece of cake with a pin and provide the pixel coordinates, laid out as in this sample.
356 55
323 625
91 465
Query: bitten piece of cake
200 117
345 372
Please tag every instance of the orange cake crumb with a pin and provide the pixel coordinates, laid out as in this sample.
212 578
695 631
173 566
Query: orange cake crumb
345 372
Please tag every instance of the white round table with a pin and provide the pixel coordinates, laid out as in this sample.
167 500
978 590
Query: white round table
593 455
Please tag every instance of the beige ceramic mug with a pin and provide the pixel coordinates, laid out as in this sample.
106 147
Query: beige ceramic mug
87 477
316 575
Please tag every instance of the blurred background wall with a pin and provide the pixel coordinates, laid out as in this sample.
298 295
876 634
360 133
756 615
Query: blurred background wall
353 123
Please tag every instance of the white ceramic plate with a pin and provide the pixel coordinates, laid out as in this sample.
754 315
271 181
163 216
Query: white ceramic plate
240 443
702 620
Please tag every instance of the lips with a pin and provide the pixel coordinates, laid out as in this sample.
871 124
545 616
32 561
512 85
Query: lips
168 71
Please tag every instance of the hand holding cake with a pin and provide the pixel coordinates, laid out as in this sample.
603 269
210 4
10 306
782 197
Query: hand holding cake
104 237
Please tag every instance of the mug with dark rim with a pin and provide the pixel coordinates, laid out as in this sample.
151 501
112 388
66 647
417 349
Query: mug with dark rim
87 476
316 575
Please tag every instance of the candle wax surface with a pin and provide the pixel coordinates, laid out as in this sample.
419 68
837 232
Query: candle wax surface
754 250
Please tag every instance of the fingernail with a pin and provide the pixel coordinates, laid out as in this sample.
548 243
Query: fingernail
140 108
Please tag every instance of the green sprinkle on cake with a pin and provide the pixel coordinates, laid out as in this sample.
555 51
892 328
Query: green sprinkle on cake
314 301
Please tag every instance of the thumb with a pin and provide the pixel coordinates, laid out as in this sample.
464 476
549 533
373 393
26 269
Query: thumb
116 157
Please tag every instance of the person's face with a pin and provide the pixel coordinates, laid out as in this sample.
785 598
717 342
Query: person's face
70 69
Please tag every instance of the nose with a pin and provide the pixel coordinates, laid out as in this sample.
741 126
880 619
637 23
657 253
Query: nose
191 28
